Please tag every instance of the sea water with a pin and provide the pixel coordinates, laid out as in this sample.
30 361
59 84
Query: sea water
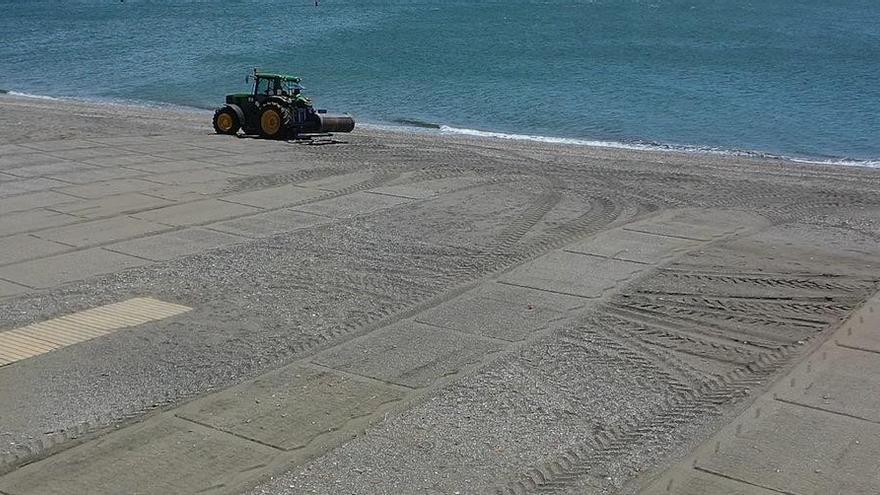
797 78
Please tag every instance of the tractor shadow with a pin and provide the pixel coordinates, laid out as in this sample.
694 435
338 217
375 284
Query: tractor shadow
303 140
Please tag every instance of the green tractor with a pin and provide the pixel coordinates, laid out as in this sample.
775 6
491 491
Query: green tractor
276 109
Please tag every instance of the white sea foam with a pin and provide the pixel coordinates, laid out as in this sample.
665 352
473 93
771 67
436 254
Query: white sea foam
543 139
29 95
657 147
445 129
844 162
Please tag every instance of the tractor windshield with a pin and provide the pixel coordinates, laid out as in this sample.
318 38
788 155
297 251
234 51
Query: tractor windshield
273 86
262 86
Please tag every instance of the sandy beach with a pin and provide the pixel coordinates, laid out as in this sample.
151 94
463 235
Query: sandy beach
390 312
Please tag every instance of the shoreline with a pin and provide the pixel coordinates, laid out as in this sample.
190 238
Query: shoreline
413 127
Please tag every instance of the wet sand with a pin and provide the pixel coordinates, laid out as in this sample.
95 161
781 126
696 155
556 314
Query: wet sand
401 313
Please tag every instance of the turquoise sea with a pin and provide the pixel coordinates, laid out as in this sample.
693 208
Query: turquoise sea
796 78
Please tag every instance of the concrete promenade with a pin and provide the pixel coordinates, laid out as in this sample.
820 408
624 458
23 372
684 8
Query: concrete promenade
77 208
816 432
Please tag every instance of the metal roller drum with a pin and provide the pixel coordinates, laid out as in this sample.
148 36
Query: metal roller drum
335 123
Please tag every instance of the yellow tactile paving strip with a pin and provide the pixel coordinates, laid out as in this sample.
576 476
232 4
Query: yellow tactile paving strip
40 338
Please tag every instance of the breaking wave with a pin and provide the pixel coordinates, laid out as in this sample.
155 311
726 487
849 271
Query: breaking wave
655 146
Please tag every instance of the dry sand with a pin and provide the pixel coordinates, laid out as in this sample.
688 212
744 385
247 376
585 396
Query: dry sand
436 314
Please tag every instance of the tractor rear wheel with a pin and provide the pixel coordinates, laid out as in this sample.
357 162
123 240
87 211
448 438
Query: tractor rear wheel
226 121
274 120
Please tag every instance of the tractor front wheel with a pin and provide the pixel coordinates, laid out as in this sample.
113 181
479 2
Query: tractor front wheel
226 121
274 120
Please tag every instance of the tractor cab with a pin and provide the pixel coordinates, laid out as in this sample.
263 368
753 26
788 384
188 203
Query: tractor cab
276 108
266 85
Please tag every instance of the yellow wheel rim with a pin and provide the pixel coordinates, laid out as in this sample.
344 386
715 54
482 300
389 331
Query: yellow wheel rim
270 121
224 122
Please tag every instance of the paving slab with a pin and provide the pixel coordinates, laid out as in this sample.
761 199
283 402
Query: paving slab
573 274
696 224
25 247
698 483
34 200
96 174
123 141
794 449
337 183
633 246
62 144
7 150
25 160
119 204
201 154
407 191
165 166
122 159
196 212
175 244
863 332
409 354
48 169
839 380
275 197
107 188
160 456
49 335
154 147
351 205
26 221
85 154
535 298
23 186
102 231
8 289
190 177
262 165
252 146
269 223
236 144
291 407
816 431
506 320
63 268
189 192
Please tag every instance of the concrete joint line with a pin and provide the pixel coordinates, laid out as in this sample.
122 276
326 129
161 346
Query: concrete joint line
107 248
822 409
393 195
737 480
240 437
243 204
547 290
16 283
321 367
613 257
467 334
856 348
36 236
309 212
676 236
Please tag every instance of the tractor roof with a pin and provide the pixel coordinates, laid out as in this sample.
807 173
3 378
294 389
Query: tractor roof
272 75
